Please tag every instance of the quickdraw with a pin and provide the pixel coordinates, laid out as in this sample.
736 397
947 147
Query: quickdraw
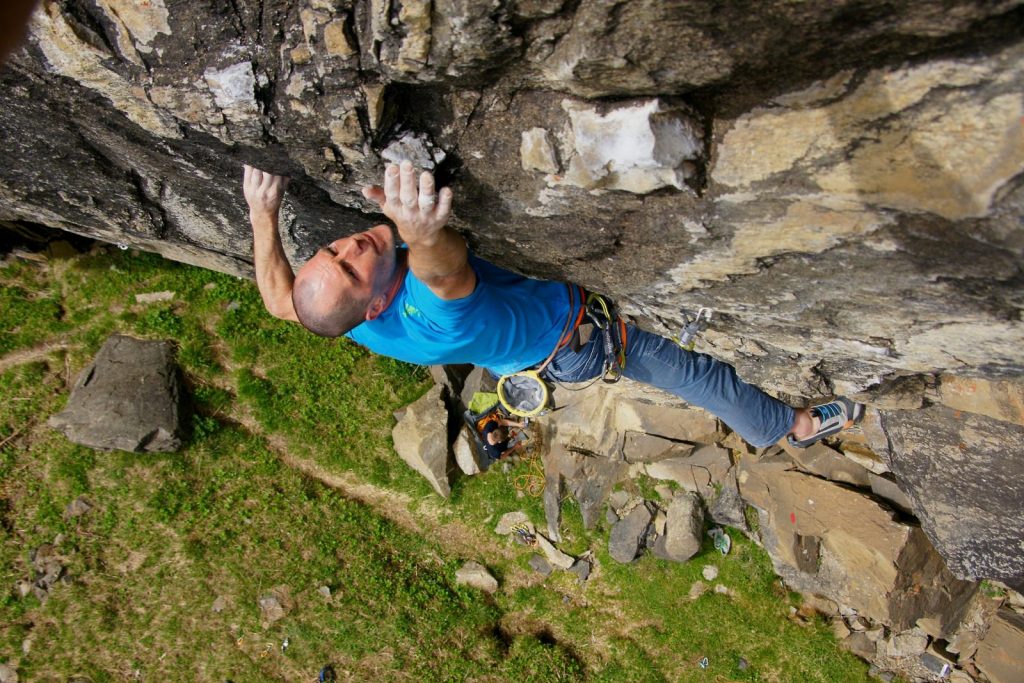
613 336
692 326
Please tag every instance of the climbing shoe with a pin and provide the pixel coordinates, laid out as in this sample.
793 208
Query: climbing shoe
834 417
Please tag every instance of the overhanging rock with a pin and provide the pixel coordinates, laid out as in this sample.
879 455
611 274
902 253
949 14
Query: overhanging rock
964 474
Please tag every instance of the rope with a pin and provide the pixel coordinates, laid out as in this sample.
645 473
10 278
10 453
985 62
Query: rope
532 481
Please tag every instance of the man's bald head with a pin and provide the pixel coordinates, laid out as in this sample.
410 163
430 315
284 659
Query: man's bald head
322 309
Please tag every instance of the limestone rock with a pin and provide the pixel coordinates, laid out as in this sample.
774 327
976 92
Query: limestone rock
275 605
475 575
8 674
684 528
708 466
1001 654
833 541
907 643
78 507
640 447
540 565
421 439
638 148
728 507
509 520
128 398
536 152
964 485
466 456
859 644
553 555
628 533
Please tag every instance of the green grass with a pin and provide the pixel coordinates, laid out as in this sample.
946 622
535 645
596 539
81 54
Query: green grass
225 518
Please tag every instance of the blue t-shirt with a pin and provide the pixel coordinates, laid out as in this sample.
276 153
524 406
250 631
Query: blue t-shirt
508 323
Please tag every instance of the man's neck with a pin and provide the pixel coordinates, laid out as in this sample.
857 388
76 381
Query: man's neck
401 266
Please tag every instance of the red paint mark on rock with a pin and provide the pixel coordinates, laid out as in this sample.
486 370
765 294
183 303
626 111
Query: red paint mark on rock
792 517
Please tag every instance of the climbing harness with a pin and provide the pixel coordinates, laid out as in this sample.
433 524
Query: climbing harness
528 394
692 326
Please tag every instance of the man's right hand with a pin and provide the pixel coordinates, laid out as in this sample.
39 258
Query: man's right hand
417 212
263 192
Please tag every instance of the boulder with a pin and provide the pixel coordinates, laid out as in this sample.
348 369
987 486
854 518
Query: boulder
475 575
965 483
627 535
275 605
833 541
553 555
684 528
728 507
910 643
129 398
540 565
421 440
511 519
466 456
700 472
1001 654
641 447
581 568
826 462
859 644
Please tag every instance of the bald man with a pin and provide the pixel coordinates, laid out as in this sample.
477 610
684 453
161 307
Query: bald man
431 302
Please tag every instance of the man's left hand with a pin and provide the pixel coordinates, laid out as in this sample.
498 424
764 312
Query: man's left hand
418 213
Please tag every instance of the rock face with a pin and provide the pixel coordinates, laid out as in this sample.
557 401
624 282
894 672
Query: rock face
832 541
843 182
963 477
1001 654
128 398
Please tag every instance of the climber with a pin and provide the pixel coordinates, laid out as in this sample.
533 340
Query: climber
431 302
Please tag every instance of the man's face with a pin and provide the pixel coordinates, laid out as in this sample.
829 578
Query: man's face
354 268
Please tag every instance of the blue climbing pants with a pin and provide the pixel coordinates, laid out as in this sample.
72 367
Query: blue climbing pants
698 379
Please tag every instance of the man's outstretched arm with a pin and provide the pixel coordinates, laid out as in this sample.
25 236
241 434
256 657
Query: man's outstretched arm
274 277
438 256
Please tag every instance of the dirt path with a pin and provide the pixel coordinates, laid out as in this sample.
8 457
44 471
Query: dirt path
420 516
37 353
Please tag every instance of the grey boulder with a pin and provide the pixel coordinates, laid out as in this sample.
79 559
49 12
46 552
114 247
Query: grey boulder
128 398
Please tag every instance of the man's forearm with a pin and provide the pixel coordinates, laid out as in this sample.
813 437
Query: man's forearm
274 276
443 256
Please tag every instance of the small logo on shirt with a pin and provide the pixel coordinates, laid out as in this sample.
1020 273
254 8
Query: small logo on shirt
409 310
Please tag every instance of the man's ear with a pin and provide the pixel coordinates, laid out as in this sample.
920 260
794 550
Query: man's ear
376 307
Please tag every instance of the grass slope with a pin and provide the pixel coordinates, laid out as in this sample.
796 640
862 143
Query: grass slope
225 522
